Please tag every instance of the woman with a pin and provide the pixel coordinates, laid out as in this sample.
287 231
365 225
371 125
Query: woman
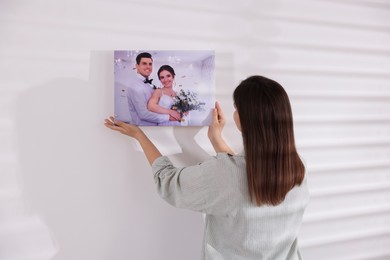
254 201
162 99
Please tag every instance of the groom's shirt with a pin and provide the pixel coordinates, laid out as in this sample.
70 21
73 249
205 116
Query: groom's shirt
138 95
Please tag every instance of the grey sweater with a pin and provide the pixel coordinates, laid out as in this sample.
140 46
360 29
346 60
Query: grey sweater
235 228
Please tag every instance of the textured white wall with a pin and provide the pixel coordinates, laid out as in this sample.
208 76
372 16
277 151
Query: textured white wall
71 189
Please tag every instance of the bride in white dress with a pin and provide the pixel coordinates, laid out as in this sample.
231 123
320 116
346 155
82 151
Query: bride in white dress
162 99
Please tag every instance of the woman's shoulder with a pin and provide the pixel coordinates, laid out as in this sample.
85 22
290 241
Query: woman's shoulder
224 162
157 92
227 157
224 156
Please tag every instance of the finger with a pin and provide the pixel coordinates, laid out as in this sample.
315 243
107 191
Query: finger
107 121
177 116
220 115
113 127
215 116
219 109
113 121
118 122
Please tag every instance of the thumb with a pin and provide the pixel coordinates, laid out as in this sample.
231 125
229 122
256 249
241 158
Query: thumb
219 109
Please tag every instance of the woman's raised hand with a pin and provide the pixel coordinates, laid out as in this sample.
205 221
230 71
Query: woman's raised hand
215 131
218 123
151 152
126 129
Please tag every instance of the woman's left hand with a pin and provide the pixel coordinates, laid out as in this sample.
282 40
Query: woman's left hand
151 152
126 129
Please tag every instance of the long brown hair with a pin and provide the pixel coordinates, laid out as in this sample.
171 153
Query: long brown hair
272 162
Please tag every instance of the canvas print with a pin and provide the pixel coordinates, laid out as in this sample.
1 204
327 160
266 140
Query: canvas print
164 88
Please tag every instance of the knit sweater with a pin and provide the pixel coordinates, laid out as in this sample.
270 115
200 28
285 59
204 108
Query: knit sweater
235 228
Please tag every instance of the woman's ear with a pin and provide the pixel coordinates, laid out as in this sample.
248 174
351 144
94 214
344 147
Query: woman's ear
236 118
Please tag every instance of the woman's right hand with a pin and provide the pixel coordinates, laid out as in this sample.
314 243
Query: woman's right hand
217 125
215 131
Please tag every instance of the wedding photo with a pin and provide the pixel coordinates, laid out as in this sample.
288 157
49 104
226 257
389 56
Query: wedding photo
164 88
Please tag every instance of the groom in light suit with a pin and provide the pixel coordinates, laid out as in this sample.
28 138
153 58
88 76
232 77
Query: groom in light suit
139 93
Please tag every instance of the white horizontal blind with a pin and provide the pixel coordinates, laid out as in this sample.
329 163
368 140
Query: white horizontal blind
333 58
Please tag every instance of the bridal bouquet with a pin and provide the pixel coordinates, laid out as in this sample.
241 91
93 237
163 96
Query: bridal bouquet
186 101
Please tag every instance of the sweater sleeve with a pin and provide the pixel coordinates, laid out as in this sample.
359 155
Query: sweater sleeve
200 187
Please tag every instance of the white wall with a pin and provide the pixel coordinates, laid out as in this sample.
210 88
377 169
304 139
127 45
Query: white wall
71 189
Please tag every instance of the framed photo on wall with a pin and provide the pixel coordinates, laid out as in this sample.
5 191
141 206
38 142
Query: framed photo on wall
164 88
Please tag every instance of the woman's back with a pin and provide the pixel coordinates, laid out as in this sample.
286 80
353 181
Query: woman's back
235 227
246 231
